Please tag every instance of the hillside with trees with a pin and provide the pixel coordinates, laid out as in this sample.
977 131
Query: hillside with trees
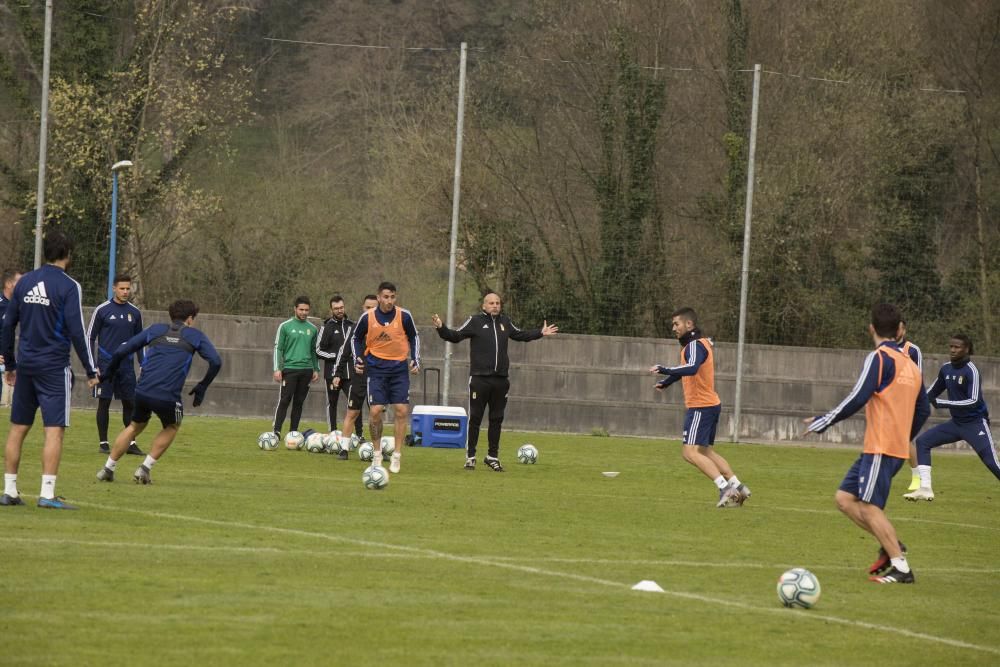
287 147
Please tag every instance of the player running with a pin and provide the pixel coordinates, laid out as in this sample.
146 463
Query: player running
896 407
169 350
697 375
970 417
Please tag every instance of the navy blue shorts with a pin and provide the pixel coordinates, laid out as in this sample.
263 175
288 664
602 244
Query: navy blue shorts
48 391
121 387
393 389
870 478
700 424
169 412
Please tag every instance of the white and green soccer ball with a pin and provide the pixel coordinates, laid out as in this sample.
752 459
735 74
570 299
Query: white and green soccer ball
268 441
314 443
527 453
332 443
353 443
366 452
798 588
388 444
294 440
375 477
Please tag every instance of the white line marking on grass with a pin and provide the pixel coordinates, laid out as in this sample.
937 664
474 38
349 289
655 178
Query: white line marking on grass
735 565
443 555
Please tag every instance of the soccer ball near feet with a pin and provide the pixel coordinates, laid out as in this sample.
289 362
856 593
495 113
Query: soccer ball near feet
798 588
268 441
527 453
294 440
375 477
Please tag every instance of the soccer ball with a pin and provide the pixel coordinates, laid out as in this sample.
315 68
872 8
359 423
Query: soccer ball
375 477
388 446
527 453
294 440
332 443
314 443
268 441
798 588
366 452
353 443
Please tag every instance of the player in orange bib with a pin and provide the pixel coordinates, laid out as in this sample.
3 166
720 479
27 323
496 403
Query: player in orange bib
891 391
697 375
386 351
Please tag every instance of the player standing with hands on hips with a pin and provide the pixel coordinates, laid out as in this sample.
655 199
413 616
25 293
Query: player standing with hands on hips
46 303
697 375
488 331
891 391
386 351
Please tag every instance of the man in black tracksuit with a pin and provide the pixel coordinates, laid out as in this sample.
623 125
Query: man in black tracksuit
337 376
489 332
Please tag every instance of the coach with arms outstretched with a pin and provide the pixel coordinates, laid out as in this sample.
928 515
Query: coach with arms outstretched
488 331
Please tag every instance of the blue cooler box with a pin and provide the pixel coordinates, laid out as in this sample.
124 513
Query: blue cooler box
439 426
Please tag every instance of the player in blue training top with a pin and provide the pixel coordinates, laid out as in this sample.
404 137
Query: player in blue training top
169 351
111 324
46 305
970 417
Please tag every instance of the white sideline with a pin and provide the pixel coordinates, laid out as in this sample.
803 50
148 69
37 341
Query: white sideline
443 555
734 565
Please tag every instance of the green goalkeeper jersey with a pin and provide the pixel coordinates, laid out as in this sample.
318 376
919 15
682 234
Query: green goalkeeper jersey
295 346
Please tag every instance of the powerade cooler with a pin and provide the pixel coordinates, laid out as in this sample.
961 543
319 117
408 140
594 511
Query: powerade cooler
439 426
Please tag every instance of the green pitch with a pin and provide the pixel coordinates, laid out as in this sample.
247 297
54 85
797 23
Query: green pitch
236 556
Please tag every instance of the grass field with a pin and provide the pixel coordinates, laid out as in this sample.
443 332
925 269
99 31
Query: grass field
236 556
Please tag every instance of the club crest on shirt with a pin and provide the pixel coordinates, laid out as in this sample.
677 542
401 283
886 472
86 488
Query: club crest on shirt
502 328
960 378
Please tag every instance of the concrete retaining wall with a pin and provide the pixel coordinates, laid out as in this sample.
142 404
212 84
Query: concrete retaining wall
578 384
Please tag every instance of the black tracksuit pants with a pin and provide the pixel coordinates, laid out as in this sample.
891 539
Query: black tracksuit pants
294 389
486 391
333 398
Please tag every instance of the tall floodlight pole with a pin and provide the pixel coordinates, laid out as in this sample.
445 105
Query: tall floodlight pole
745 279
457 190
43 135
113 251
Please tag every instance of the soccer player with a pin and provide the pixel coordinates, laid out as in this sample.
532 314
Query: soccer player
337 371
697 375
358 392
9 279
46 305
914 353
970 417
895 408
488 331
169 350
295 363
384 339
111 324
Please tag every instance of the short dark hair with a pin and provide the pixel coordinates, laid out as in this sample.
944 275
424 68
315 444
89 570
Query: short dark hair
122 278
9 275
686 313
299 300
56 246
965 339
369 297
336 298
885 320
182 309
385 284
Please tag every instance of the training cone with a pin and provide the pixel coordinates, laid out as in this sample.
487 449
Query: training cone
649 586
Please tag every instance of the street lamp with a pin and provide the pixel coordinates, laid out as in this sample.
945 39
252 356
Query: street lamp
114 224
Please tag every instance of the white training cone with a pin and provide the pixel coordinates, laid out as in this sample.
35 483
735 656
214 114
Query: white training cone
647 585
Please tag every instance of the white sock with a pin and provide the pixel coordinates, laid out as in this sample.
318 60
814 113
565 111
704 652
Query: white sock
901 564
721 482
149 462
111 464
734 481
925 476
10 484
48 487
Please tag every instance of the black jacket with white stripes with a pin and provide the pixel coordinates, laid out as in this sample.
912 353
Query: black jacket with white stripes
488 345
330 347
